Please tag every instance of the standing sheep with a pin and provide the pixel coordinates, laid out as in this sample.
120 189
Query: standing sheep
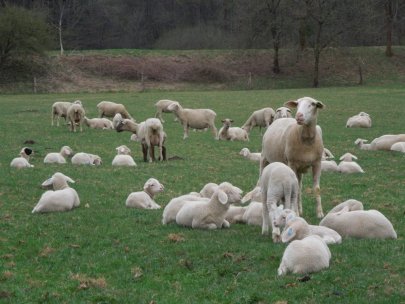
227 132
383 142
62 198
144 199
261 118
109 109
123 157
23 160
297 143
76 115
282 112
58 158
194 118
59 109
361 120
162 106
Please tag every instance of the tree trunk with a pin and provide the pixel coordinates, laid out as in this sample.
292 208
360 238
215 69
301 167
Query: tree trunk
276 65
389 25
317 55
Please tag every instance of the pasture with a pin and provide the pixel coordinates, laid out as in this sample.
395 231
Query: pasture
106 253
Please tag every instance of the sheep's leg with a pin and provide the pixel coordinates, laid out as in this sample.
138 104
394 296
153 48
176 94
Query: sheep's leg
214 131
151 153
265 214
271 207
164 152
145 152
185 128
299 194
316 176
161 139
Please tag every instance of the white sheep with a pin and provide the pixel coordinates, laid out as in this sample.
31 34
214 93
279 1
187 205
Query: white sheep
282 112
245 152
227 132
348 157
61 198
208 190
82 158
109 109
75 115
162 106
361 120
123 157
58 157
327 154
261 118
383 142
254 214
117 119
278 183
297 143
145 199
175 204
310 254
234 214
59 109
23 160
347 165
329 166
254 195
349 220
98 123
398 146
211 214
194 118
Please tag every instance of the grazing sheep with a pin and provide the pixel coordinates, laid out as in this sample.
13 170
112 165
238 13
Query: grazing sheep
82 158
175 204
211 214
109 109
194 118
23 160
144 199
298 143
123 157
58 158
349 220
76 114
162 106
254 214
310 254
278 183
282 112
62 198
255 156
117 119
98 123
383 142
361 120
261 118
227 132
59 109
398 146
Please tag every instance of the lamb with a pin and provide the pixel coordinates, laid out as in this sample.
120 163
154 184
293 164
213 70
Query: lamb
23 160
227 132
175 204
117 119
98 123
298 143
59 109
361 120
211 214
282 112
144 199
76 114
348 157
123 157
398 146
254 195
82 158
383 142
310 254
327 154
261 118
255 156
278 183
109 109
235 214
194 118
162 106
347 165
329 166
349 220
62 198
254 214
58 158
208 190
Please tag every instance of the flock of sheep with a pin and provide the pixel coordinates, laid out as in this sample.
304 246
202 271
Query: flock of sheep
290 147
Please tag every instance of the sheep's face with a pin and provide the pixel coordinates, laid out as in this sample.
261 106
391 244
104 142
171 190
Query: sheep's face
244 152
97 160
66 151
153 186
307 108
174 107
282 217
283 112
234 193
227 123
57 181
124 150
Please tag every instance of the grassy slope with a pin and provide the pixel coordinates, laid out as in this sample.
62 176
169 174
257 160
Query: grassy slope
107 253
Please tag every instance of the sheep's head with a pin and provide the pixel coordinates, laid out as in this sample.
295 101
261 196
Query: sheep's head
58 181
96 160
208 190
283 217
153 186
359 141
234 193
174 107
227 123
124 150
307 109
26 152
127 125
66 151
283 112
348 157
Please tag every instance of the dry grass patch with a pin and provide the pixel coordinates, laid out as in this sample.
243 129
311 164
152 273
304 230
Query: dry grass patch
86 282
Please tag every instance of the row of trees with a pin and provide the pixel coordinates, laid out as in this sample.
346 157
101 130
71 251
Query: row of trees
195 24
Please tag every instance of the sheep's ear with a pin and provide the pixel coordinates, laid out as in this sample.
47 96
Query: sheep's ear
343 156
223 120
47 183
291 104
288 234
68 179
320 105
231 120
354 156
27 151
222 197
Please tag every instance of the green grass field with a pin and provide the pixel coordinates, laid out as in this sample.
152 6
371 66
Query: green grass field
107 253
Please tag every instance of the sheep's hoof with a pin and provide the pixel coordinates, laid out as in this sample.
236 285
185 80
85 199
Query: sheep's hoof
276 238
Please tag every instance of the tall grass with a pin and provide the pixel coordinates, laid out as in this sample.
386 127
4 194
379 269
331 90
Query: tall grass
106 253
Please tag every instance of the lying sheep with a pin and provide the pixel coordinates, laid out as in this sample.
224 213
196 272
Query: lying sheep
211 214
384 142
208 190
98 123
162 106
194 118
58 158
227 132
123 157
245 152
82 158
348 157
282 112
254 214
234 214
329 166
59 109
261 118
62 198
109 109
175 204
347 165
310 254
399 147
23 160
75 115
361 120
349 220
278 183
144 199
